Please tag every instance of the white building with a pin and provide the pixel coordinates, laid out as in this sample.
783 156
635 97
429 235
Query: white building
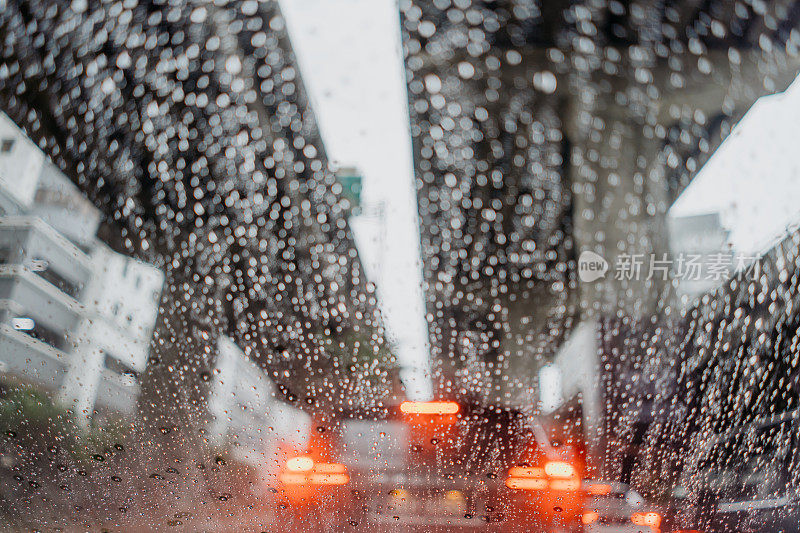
76 318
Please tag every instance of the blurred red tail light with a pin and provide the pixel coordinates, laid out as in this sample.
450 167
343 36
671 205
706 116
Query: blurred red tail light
429 408
646 519
328 479
330 468
589 518
559 469
556 475
524 471
300 464
566 485
305 471
599 489
524 483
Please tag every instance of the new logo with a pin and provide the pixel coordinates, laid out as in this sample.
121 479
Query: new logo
591 266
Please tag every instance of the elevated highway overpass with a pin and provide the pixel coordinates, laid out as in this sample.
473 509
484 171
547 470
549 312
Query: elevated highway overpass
541 131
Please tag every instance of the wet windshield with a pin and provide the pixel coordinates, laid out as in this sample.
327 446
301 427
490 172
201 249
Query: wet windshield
416 265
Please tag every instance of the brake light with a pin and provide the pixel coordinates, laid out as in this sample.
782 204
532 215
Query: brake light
290 478
559 469
557 475
304 471
565 484
328 479
429 408
525 483
646 519
589 518
399 494
522 471
599 489
526 478
300 464
330 468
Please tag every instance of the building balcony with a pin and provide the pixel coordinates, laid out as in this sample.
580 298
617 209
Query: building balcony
31 243
24 294
30 360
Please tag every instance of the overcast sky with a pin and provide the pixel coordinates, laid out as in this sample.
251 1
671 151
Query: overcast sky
350 57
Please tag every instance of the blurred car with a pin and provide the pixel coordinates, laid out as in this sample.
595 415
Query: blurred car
544 490
434 465
388 490
611 507
310 484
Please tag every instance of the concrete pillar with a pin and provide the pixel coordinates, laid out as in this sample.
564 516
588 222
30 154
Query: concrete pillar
78 390
620 201
578 363
224 381
176 383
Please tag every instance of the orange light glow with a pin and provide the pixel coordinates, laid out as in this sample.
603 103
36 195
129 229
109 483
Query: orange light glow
328 479
330 468
300 464
304 471
429 408
565 484
526 483
559 469
400 494
288 478
521 471
646 519
599 489
589 518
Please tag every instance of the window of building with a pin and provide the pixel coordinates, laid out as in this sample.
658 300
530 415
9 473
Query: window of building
59 281
39 331
5 254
